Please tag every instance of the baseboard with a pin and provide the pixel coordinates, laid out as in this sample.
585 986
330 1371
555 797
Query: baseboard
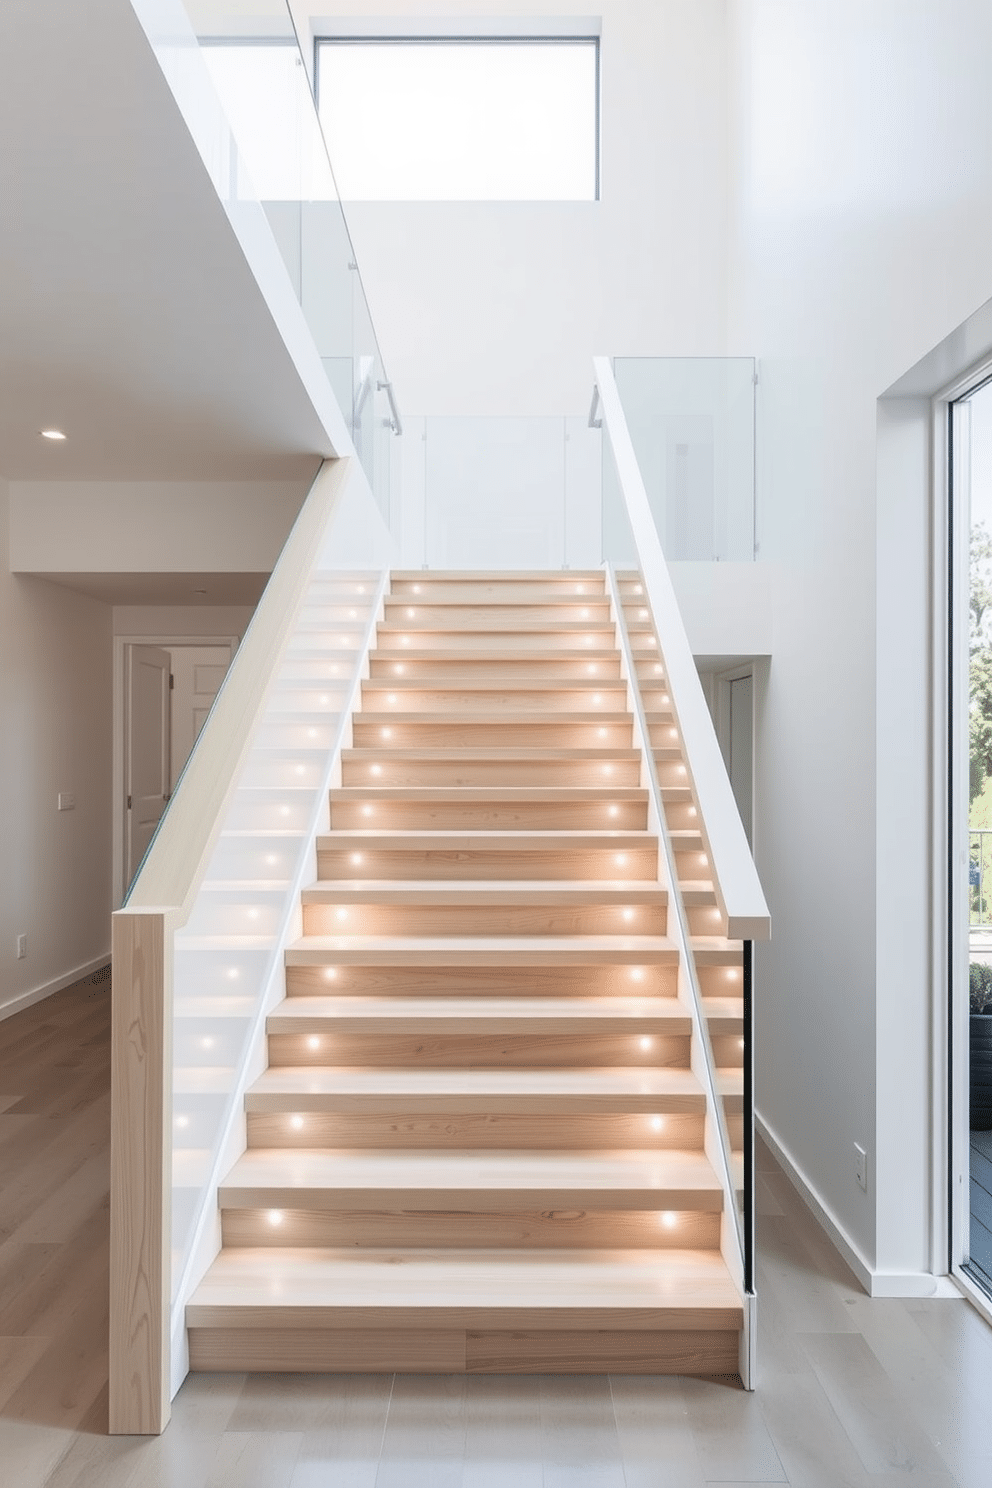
835 1231
38 994
875 1283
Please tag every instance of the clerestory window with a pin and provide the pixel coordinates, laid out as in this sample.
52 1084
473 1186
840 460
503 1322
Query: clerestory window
461 119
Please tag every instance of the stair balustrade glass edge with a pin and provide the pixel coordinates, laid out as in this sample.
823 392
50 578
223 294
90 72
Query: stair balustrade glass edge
198 1250
684 937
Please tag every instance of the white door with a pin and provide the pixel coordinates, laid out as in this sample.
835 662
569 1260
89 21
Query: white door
742 747
198 672
147 776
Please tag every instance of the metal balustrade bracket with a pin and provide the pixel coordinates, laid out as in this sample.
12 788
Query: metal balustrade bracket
394 421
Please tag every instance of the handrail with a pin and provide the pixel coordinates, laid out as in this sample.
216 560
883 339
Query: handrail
144 935
173 866
681 934
739 894
396 423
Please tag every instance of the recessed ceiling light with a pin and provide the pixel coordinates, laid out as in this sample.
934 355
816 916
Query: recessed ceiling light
51 434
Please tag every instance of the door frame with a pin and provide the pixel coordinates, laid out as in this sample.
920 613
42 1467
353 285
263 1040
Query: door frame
722 681
951 578
120 702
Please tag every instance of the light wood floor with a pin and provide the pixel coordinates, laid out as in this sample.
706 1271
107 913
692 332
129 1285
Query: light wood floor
851 1391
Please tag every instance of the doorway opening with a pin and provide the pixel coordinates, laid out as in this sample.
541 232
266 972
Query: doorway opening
164 689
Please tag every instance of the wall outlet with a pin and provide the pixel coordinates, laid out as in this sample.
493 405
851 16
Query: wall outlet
22 947
67 801
861 1166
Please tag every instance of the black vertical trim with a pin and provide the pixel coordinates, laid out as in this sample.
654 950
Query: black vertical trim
748 1121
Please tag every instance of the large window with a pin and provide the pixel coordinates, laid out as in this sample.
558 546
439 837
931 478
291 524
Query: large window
456 119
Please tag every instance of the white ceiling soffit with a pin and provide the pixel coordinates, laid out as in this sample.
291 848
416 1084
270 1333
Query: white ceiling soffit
128 315
164 588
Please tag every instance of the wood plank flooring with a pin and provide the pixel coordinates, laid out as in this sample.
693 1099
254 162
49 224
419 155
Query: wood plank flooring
851 1391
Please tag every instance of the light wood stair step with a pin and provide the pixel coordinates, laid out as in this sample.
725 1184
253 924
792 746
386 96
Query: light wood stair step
431 591
477 1312
630 1016
478 1092
498 856
519 731
410 696
387 764
601 1109
488 1181
482 1033
503 953
590 638
488 806
497 615
374 974
434 662
463 907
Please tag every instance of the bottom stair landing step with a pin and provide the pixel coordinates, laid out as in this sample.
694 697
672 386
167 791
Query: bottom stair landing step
466 1311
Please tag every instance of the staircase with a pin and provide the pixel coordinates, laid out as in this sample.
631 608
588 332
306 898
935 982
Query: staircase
479 1142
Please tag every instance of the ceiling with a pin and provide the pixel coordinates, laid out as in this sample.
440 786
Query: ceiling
128 316
165 588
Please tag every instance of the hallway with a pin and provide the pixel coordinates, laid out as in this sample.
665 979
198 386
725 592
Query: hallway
851 1391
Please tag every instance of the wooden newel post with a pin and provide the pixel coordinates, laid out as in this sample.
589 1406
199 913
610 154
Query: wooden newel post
140 1173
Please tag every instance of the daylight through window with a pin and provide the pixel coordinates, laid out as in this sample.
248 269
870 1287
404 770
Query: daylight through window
461 120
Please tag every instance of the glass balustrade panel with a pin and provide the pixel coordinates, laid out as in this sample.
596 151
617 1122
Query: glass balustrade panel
691 422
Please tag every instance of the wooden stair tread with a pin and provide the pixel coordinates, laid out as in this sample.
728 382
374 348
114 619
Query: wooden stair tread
460 1114
449 840
517 1288
664 1015
500 576
505 625
467 654
493 684
314 950
437 1178
457 753
563 1091
497 793
535 892
602 716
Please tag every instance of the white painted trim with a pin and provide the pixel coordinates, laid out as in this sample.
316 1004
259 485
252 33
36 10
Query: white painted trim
971 1292
742 902
748 1367
552 27
47 989
944 1252
815 1204
172 38
875 1283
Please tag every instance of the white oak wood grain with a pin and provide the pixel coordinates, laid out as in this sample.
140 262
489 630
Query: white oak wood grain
140 1184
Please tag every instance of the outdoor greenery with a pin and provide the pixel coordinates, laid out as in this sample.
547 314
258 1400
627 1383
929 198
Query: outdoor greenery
980 987
980 663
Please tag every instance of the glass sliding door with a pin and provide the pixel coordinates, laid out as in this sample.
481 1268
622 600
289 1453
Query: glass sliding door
970 801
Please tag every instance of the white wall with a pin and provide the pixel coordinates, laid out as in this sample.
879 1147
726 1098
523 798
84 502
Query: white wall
498 308
192 621
861 221
55 736
151 526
